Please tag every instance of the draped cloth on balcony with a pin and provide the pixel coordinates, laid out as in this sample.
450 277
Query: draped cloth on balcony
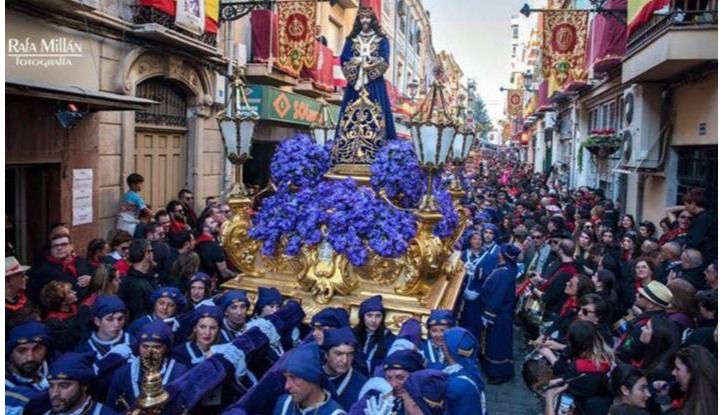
211 9
606 39
641 11
264 35
322 75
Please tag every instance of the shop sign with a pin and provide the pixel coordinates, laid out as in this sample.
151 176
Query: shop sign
274 104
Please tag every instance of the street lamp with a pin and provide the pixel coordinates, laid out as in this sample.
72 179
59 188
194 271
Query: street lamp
461 146
413 88
237 122
433 131
323 128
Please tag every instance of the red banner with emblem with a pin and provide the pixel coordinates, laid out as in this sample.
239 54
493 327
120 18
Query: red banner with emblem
297 36
514 103
564 35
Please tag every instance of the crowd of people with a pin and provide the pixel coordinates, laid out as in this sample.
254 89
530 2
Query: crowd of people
619 318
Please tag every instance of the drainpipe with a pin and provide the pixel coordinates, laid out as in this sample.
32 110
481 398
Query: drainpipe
226 179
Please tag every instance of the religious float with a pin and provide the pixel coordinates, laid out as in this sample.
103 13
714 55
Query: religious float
354 211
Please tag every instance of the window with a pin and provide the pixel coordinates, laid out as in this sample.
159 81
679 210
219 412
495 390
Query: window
514 51
515 32
698 167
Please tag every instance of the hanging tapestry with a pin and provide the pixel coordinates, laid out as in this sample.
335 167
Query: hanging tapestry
514 103
297 36
564 36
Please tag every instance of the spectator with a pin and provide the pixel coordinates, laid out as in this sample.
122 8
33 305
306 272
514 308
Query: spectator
140 282
683 307
161 251
703 233
185 196
164 219
18 308
132 204
185 267
67 323
692 268
106 281
179 221
630 388
711 275
213 257
60 265
97 249
199 289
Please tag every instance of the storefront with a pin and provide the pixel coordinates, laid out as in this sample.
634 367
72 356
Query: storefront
282 114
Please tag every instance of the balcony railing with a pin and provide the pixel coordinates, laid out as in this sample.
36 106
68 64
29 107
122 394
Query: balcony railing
148 14
678 13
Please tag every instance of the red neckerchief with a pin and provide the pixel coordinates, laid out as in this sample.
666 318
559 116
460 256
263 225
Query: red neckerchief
204 238
122 266
589 366
63 315
18 304
68 264
95 263
568 267
89 300
177 226
677 404
569 305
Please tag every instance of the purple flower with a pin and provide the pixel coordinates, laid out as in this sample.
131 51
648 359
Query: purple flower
300 162
396 170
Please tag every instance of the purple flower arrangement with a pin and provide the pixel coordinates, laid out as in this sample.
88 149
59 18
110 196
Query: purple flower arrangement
396 171
306 209
300 162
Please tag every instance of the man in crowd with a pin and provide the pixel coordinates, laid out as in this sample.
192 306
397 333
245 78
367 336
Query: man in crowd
213 257
137 286
18 307
26 369
70 378
339 346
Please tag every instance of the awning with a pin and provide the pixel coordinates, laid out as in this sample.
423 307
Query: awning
97 100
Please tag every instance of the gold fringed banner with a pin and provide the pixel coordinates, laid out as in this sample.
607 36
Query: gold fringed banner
564 35
297 36
514 103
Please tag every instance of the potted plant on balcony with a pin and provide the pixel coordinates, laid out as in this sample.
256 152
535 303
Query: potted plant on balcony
602 143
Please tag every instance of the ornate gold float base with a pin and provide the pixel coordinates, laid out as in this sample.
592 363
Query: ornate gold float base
441 294
428 276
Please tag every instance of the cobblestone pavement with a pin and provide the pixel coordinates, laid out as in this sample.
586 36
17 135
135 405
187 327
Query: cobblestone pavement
513 398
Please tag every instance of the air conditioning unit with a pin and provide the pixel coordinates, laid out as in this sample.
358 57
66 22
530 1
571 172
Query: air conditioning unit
219 97
641 126
240 54
550 120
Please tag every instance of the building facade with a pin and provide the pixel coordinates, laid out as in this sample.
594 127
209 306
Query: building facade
651 90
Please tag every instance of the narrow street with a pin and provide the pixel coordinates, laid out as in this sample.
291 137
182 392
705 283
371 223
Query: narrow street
513 398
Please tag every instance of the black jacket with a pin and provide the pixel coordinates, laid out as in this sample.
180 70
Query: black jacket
46 271
135 291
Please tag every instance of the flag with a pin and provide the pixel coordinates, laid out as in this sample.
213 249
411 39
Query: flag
297 36
564 36
514 103
212 16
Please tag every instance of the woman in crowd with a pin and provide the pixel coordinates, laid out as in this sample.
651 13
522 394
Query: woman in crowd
371 332
666 230
697 378
106 281
659 340
97 249
68 323
647 231
630 388
683 308
199 289
627 224
183 269
584 365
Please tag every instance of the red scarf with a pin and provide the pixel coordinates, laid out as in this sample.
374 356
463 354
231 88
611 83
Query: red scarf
18 304
589 366
569 305
204 238
122 266
68 264
63 315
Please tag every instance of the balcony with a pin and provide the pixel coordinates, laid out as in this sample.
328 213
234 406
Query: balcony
672 40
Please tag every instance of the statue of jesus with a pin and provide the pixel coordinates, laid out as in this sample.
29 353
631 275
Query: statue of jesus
366 119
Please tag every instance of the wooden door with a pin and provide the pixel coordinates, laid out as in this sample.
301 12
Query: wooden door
160 157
